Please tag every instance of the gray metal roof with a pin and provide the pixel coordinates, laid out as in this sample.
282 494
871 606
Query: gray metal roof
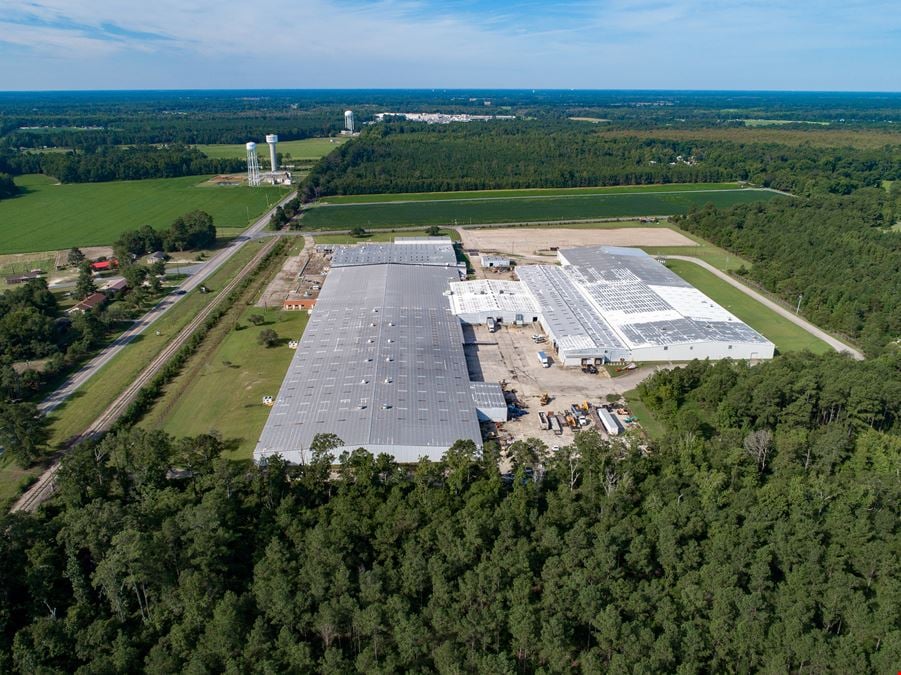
380 364
488 395
441 254
432 241
612 297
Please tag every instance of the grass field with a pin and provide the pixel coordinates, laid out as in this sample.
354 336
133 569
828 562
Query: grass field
528 209
12 480
783 333
94 397
380 236
308 148
224 392
51 216
643 414
526 192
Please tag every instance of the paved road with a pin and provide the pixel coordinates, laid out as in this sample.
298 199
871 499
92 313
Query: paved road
837 345
203 271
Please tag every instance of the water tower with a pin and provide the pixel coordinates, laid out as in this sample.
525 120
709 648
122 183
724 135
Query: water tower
349 121
253 165
272 140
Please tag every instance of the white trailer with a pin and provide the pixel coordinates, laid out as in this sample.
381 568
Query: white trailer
545 361
611 424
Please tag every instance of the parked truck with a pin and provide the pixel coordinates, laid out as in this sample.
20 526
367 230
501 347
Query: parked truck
543 420
545 361
492 324
555 425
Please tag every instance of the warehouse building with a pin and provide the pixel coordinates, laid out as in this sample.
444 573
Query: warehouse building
473 302
381 362
608 303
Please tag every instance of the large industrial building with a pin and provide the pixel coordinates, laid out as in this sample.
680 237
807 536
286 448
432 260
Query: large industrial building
607 303
381 362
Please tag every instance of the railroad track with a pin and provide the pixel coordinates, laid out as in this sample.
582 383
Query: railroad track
45 486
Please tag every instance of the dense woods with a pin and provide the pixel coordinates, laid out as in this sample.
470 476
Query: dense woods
840 253
7 186
748 539
404 157
104 164
192 231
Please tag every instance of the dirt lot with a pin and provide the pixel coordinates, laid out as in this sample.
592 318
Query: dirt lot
527 241
510 355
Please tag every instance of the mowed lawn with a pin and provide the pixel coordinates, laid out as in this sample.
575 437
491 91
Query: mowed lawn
787 336
227 394
49 216
525 192
524 209
307 148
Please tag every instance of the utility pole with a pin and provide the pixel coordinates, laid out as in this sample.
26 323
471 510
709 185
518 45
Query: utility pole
798 308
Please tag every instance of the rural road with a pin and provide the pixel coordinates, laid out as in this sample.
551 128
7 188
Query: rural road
89 369
837 345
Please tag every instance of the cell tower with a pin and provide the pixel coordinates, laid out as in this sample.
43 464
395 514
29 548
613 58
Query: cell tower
253 165
349 121
272 140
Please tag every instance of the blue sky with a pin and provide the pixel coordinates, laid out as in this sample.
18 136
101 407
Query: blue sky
616 44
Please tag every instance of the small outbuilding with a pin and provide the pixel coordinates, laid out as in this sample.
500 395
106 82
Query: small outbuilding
495 262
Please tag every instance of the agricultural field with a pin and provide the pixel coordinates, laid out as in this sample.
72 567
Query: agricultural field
522 209
224 392
308 148
783 333
526 192
380 236
50 216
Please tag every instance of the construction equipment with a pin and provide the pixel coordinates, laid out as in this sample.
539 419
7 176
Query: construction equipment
545 399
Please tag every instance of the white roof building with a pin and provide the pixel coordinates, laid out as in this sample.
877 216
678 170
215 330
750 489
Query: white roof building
608 303
474 301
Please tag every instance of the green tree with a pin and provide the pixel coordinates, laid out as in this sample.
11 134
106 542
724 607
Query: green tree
85 285
23 432
75 257
268 338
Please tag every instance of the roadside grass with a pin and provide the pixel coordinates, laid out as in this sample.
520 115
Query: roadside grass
718 257
528 209
643 414
783 333
97 394
13 479
307 148
50 216
525 192
380 236
221 388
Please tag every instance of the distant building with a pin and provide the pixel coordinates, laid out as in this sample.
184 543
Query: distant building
93 300
294 304
105 265
22 278
496 262
113 287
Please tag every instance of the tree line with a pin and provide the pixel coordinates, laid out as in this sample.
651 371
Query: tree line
408 157
192 231
109 163
839 255
761 540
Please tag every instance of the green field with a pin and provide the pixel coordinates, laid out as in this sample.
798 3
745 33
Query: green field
308 148
51 216
783 333
527 209
224 393
525 192
380 236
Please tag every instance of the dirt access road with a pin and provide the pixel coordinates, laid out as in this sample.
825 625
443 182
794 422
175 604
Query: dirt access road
524 241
